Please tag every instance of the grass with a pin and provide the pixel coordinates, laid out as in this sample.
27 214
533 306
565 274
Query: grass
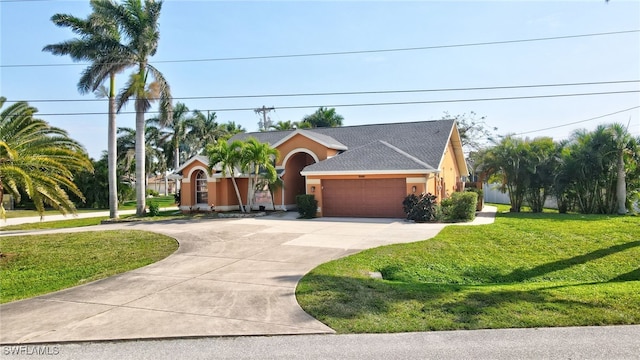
163 201
526 270
72 223
35 265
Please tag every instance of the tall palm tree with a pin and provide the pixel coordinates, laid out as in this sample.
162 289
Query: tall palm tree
324 117
258 159
38 159
206 130
177 131
622 141
98 41
138 23
229 157
154 152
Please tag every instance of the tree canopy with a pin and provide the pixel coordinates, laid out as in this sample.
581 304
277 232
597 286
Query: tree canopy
324 117
38 160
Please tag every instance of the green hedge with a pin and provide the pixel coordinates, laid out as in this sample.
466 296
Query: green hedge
307 206
461 206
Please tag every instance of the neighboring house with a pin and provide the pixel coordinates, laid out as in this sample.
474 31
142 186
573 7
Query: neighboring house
354 171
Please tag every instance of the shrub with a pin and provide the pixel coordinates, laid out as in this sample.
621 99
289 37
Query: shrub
307 206
176 197
154 209
461 206
477 191
151 192
421 208
480 193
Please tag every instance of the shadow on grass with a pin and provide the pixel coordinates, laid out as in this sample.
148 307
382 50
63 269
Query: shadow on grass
368 305
633 275
555 216
519 275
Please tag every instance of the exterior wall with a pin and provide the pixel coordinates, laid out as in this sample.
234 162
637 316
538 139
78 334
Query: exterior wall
220 190
449 174
314 183
294 183
226 194
187 195
295 154
302 142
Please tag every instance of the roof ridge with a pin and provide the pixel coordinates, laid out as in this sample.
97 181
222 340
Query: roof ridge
351 126
405 154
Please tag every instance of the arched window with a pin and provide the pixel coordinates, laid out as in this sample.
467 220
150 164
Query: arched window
202 194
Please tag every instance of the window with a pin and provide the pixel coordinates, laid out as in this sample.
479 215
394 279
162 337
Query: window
202 194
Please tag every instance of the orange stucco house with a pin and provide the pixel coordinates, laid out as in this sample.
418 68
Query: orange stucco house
353 171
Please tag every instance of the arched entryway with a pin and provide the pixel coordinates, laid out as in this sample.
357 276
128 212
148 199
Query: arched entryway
294 183
201 190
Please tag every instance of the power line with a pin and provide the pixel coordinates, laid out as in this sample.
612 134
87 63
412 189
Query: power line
354 92
21 1
335 53
379 104
578 122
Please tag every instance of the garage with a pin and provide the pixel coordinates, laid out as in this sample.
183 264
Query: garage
363 198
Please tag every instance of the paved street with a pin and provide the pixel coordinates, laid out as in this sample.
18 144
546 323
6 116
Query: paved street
607 342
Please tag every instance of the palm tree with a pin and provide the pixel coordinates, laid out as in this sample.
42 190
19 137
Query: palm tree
154 152
206 130
324 117
98 42
229 157
622 141
138 22
507 160
38 159
283 125
231 128
179 128
259 159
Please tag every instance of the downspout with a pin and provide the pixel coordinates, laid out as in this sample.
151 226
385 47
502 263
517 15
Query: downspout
284 208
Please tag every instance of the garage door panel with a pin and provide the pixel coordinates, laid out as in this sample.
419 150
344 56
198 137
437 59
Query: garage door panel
363 198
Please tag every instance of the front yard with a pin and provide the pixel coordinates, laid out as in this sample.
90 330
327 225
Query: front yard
32 265
526 270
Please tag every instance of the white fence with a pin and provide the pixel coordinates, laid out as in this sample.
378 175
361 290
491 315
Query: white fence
492 194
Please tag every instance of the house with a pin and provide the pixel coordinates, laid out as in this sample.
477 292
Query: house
353 171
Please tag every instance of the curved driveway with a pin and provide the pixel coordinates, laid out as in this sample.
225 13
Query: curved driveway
228 277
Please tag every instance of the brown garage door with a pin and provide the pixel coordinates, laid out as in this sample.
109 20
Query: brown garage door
363 198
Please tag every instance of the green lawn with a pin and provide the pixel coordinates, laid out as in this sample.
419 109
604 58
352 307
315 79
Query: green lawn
71 223
163 201
526 270
35 265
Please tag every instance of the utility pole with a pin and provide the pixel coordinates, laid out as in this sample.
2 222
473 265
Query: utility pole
265 123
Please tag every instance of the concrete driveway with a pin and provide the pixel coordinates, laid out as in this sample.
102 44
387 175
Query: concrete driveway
228 277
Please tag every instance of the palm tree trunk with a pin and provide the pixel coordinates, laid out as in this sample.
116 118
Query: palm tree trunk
250 186
621 186
112 151
141 174
176 159
235 186
3 213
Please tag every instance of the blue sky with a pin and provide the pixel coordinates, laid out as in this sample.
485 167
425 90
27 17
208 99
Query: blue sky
215 29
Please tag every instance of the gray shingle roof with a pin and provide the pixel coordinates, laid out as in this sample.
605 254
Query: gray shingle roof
394 146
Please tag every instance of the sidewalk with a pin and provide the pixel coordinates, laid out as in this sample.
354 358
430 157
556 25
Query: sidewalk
80 215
